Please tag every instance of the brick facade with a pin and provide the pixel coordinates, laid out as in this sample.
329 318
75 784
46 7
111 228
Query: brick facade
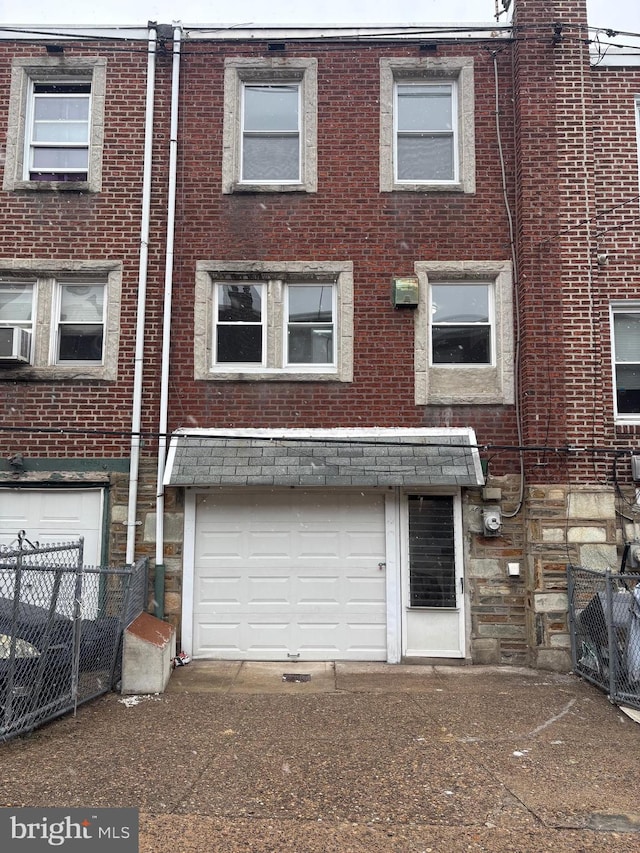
569 153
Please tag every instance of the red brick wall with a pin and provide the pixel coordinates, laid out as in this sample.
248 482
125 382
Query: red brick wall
89 226
347 219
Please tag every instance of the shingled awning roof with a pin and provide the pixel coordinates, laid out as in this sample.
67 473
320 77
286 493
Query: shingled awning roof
324 457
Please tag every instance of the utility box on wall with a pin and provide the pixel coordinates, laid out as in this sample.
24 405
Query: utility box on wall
405 292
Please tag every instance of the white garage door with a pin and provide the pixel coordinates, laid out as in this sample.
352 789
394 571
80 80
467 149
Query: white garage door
52 516
290 575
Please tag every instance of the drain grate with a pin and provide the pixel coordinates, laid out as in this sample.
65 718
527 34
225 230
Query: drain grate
296 676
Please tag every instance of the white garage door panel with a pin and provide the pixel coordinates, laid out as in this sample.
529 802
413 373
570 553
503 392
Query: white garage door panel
283 575
54 516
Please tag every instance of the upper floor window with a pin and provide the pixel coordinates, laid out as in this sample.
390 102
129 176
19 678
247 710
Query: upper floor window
625 324
241 324
270 133
461 323
57 137
270 125
17 301
72 312
80 322
56 124
427 133
464 333
288 321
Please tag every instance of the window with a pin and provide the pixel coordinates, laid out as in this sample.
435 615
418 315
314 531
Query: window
427 134
270 125
432 565
56 124
72 312
17 304
294 321
625 324
461 323
270 133
80 323
239 325
310 313
57 137
464 336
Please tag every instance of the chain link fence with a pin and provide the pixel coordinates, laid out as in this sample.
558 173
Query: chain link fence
61 627
604 619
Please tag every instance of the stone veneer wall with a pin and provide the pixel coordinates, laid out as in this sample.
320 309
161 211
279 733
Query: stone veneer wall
497 601
564 524
513 620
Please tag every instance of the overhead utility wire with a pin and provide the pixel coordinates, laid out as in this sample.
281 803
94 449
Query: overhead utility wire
254 433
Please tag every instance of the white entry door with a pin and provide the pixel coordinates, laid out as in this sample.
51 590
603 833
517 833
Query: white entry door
289 574
433 581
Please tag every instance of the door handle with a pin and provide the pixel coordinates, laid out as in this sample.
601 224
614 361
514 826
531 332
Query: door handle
382 566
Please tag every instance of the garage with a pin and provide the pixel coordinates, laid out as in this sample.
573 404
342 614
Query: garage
53 515
298 544
289 574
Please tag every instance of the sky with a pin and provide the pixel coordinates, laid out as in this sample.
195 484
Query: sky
614 14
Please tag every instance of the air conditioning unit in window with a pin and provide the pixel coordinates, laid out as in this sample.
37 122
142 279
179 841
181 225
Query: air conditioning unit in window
15 345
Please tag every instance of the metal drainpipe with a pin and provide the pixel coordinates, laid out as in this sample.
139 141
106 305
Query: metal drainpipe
136 413
166 329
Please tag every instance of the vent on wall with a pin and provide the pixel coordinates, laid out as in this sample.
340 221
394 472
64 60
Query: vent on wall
15 345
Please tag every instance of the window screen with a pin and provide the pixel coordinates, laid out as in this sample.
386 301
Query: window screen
432 576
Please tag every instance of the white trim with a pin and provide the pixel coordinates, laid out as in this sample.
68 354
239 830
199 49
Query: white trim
461 592
619 306
188 569
393 579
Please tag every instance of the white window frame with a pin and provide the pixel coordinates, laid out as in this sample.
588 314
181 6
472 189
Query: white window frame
27 71
240 365
31 145
47 276
490 285
472 384
269 71
276 278
253 133
621 307
30 325
57 323
404 70
453 133
322 366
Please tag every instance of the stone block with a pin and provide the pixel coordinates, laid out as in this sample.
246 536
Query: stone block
594 556
556 660
553 535
484 568
148 650
587 534
485 651
550 602
592 505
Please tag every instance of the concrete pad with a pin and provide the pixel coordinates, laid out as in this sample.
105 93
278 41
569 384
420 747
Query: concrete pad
205 676
290 678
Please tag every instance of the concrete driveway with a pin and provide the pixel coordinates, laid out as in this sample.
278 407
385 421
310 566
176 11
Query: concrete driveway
254 758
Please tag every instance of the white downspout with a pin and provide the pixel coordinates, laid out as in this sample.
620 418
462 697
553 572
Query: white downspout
166 328
136 413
